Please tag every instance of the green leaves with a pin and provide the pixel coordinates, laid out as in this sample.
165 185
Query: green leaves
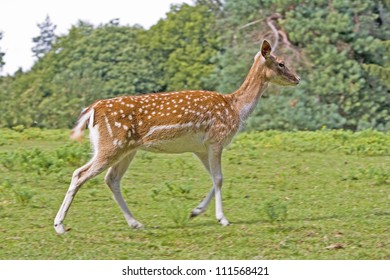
1 53
339 48
92 63
343 62
182 48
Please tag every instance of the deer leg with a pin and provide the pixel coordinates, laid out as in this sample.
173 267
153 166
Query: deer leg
113 178
80 176
215 154
206 201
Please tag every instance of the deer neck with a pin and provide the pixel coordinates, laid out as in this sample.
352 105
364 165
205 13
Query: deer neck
246 97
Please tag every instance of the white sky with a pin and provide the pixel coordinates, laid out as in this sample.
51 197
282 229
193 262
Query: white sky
19 19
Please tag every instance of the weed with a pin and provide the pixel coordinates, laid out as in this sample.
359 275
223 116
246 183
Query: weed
178 214
154 193
377 175
275 210
6 184
23 195
177 190
92 192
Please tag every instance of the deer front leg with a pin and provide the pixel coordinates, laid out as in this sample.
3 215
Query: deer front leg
204 204
204 159
215 154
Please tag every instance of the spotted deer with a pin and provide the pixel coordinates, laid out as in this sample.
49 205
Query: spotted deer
197 121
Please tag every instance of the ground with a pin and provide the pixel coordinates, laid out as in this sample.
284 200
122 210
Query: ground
291 195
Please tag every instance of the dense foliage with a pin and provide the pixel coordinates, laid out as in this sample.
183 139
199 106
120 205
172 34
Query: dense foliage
1 53
340 49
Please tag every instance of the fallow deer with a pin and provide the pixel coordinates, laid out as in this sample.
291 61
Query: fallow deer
197 121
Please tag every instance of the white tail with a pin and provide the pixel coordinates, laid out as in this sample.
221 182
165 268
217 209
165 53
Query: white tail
201 122
77 131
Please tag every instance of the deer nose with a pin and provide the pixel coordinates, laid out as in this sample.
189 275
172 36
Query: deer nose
298 79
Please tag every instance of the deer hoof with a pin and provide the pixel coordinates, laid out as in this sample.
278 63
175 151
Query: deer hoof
59 228
196 212
136 225
224 222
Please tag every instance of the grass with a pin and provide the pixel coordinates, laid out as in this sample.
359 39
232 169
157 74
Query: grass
295 195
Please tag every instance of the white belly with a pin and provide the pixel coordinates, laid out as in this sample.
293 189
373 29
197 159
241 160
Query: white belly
189 142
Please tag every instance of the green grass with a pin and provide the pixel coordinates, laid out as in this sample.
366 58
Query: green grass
288 196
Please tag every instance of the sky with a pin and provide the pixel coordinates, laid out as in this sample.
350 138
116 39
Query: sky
19 19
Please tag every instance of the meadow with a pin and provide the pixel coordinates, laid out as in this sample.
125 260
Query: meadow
288 195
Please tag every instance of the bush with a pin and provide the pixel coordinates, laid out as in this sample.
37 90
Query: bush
295 111
40 162
365 143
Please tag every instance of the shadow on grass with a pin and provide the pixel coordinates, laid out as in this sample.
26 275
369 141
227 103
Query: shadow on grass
312 219
207 222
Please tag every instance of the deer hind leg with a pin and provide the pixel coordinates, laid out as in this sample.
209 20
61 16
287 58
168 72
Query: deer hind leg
215 155
80 176
113 178
206 201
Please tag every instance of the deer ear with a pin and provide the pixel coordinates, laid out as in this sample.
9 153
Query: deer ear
266 49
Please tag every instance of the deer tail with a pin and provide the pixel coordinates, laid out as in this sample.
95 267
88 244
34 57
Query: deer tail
86 115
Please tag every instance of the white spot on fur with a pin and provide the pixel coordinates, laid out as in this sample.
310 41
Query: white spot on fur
154 129
109 129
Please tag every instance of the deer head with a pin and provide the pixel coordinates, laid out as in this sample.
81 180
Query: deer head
276 71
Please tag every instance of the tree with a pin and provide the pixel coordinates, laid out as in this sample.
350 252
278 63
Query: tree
110 53
338 48
46 38
340 39
182 48
86 64
1 54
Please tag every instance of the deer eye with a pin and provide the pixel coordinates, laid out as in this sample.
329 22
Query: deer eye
281 65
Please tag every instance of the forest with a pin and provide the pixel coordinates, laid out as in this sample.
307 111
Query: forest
340 49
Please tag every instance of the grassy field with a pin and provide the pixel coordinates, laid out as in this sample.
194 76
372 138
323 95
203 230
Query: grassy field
296 195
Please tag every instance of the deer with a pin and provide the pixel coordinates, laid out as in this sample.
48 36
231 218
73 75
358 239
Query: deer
196 121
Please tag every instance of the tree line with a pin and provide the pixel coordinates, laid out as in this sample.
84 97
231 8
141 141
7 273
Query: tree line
340 49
